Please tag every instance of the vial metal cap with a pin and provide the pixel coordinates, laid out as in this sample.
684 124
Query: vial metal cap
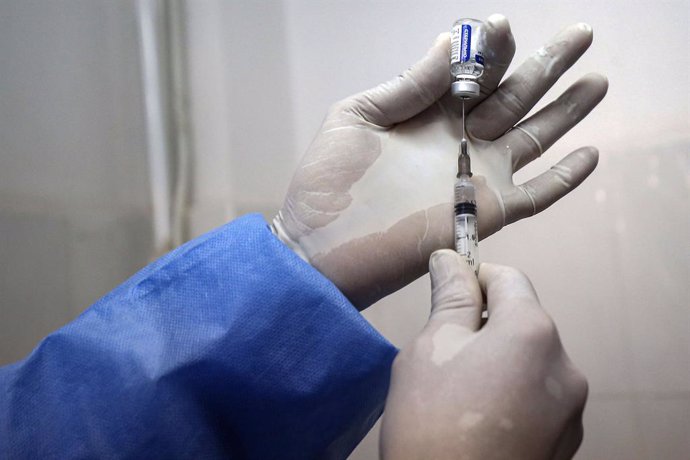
464 88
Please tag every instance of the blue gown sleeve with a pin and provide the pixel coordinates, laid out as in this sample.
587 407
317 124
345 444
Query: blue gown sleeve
230 346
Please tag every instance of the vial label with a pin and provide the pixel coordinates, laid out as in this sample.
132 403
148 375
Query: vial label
466 54
455 35
466 41
461 44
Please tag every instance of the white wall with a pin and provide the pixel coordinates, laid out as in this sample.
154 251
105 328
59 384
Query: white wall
74 204
242 112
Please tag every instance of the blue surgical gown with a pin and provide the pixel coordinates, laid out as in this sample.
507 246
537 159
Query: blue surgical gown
230 346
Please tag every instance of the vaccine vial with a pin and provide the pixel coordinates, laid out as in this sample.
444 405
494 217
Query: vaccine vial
466 57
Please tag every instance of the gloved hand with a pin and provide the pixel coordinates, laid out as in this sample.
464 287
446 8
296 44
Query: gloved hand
507 390
372 197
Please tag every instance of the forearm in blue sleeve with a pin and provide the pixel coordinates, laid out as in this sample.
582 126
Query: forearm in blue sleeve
230 346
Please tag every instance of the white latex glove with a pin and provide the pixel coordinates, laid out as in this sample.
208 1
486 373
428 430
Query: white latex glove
372 197
507 391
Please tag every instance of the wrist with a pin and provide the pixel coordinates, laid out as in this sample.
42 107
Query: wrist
277 227
347 279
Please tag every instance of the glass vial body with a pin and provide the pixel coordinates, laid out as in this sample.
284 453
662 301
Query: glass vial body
466 235
466 57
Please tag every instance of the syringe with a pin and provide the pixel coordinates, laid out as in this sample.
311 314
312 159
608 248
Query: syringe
466 68
466 236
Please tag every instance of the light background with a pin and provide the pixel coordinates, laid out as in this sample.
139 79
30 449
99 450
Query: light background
611 262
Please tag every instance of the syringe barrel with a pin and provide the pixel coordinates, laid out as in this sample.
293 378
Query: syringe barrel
466 235
464 191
